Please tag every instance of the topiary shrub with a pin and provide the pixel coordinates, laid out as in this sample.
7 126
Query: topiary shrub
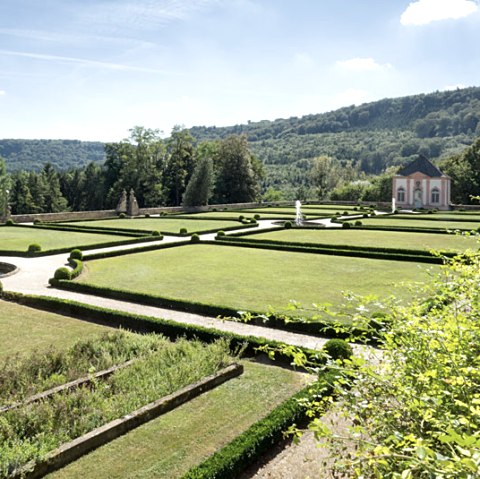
155 233
334 218
195 238
241 218
215 209
338 349
346 225
36 221
430 212
253 221
365 215
183 231
221 233
9 222
34 248
163 213
358 223
147 215
1 289
257 216
63 273
355 208
396 212
345 212
76 254
372 213
122 215
287 225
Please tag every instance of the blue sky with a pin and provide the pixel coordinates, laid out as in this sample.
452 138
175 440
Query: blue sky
92 69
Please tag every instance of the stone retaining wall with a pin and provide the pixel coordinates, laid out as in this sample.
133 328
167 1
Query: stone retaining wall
98 437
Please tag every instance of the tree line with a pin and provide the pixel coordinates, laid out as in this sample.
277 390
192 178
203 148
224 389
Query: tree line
173 172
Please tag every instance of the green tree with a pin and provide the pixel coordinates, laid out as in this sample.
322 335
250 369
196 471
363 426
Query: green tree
53 200
21 196
4 188
239 172
180 164
200 187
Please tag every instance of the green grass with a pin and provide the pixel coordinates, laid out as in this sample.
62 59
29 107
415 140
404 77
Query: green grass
443 215
252 279
14 238
165 225
419 223
169 446
380 239
24 330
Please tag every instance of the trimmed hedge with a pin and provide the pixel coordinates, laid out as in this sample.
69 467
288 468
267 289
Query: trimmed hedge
317 328
147 324
258 439
421 256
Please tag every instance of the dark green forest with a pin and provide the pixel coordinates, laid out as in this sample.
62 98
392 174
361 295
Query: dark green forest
350 153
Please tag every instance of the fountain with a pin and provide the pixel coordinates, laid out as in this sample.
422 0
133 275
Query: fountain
298 215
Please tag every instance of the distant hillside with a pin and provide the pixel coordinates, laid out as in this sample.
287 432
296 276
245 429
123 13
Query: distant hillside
63 154
372 136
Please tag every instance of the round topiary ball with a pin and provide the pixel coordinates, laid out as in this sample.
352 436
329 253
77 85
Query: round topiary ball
338 349
9 222
122 215
195 238
63 273
241 218
155 233
257 216
183 231
76 254
221 233
358 223
287 225
34 248
346 225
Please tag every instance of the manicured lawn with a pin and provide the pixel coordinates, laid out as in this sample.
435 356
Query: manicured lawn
443 215
252 279
24 330
419 223
380 239
165 225
16 238
169 446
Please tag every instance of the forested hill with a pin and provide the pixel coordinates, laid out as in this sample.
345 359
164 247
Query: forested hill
375 135
371 136
62 154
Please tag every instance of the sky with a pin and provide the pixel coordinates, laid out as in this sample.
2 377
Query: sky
93 69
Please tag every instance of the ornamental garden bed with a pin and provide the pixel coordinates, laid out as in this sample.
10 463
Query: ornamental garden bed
29 434
423 222
247 279
395 240
17 239
165 225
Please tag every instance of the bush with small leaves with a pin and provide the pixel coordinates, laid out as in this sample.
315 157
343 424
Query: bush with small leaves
122 215
34 248
215 209
365 215
241 218
221 233
358 223
287 225
345 212
9 222
346 225
36 221
163 213
147 215
156 233
195 238
257 216
76 254
338 349
183 231
63 273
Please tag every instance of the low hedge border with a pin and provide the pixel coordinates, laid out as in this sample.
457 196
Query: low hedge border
426 257
408 229
321 246
312 328
257 440
147 324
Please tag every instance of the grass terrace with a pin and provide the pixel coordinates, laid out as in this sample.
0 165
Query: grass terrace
18 238
163 224
423 222
169 446
25 330
252 279
372 239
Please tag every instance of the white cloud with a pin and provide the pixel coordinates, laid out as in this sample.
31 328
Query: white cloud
362 65
2 92
423 12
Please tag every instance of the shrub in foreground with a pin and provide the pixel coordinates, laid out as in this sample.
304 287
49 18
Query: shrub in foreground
34 248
